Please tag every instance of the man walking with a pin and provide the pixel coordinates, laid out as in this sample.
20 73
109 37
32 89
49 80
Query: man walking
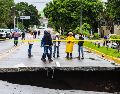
35 34
80 46
16 35
38 32
47 44
30 42
23 35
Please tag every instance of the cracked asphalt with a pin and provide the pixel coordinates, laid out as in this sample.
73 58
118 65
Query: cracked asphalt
19 58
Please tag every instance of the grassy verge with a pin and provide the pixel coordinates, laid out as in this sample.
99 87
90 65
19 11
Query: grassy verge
110 51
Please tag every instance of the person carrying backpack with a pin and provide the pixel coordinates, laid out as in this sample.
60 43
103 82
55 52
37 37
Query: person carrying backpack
47 44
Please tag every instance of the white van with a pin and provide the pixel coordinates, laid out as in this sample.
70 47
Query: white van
5 33
2 34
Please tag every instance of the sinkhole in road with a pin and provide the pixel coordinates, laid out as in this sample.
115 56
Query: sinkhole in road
102 81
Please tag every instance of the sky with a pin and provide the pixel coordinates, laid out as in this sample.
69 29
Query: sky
40 4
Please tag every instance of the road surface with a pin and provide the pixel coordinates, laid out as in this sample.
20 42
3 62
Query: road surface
18 57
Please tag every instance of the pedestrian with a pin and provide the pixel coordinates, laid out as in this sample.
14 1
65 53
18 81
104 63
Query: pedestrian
56 44
35 34
80 46
105 40
30 43
39 33
23 35
16 35
69 46
47 44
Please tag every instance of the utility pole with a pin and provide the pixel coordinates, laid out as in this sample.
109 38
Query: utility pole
13 7
14 21
22 19
81 18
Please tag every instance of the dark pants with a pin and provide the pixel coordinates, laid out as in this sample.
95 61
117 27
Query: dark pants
23 37
80 50
56 48
15 41
69 54
35 35
29 49
47 52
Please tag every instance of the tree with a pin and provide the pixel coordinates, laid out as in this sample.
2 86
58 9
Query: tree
112 12
66 13
86 29
25 9
5 13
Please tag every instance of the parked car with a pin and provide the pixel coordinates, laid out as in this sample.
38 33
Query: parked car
2 34
114 45
8 33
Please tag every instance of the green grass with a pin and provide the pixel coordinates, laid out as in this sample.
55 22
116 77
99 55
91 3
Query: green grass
110 51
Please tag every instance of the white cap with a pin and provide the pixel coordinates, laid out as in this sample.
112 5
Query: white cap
57 34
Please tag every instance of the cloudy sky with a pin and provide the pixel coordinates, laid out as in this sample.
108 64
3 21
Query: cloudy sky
40 4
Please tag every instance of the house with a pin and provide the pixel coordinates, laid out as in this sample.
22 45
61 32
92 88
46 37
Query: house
106 30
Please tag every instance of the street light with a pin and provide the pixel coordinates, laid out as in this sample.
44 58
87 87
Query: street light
19 12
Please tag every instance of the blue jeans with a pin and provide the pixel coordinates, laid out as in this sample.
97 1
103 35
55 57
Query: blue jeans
80 50
29 49
47 52
56 48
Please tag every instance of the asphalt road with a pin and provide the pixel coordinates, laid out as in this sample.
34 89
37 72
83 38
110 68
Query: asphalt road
15 57
18 57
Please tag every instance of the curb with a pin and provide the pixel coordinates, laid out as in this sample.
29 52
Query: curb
116 60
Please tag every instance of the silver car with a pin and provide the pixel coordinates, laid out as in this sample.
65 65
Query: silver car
114 45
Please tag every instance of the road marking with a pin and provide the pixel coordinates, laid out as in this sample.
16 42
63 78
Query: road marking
5 54
19 65
57 63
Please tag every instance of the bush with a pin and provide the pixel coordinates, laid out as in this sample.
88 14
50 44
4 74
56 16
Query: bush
115 37
77 30
96 36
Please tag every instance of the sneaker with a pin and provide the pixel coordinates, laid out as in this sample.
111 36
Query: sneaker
67 57
58 56
54 56
44 60
82 58
78 57
50 60
30 56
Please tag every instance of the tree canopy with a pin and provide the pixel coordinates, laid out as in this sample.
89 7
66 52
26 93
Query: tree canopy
24 9
5 12
66 13
8 9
